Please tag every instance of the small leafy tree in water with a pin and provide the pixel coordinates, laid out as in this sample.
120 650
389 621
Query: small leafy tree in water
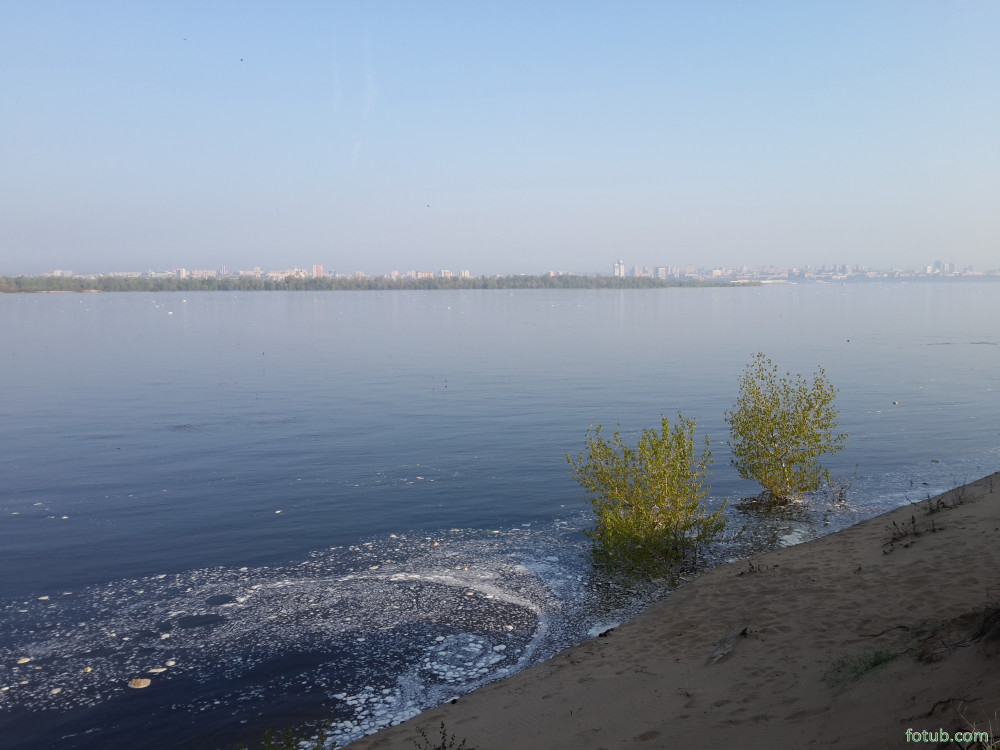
647 499
780 427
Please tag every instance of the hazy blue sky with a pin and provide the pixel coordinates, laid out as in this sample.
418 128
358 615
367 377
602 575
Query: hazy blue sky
502 137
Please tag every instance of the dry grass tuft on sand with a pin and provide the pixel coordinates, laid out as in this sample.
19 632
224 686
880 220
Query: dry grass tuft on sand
847 641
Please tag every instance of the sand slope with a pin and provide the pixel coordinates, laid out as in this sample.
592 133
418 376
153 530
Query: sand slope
780 651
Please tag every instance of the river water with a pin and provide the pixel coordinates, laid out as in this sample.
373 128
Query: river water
280 507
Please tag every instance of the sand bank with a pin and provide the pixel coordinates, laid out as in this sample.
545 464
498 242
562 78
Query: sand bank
846 642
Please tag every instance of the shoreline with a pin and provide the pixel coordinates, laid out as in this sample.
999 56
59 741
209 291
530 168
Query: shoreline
850 639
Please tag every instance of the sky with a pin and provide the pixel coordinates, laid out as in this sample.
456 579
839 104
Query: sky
509 136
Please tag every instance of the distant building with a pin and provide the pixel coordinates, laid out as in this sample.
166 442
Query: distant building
464 274
298 273
619 269
317 272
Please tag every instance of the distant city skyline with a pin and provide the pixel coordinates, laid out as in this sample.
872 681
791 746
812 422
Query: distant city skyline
504 138
608 267
617 268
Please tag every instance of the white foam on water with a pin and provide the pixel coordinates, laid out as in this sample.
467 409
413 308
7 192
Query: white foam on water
383 629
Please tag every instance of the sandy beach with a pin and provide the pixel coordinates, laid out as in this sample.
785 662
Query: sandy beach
847 641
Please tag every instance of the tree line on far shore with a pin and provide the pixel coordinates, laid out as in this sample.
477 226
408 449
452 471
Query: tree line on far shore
331 283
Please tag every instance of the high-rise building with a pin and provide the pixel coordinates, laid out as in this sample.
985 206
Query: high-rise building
317 272
619 269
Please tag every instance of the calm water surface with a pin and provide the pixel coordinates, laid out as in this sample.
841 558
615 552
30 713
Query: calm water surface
356 505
